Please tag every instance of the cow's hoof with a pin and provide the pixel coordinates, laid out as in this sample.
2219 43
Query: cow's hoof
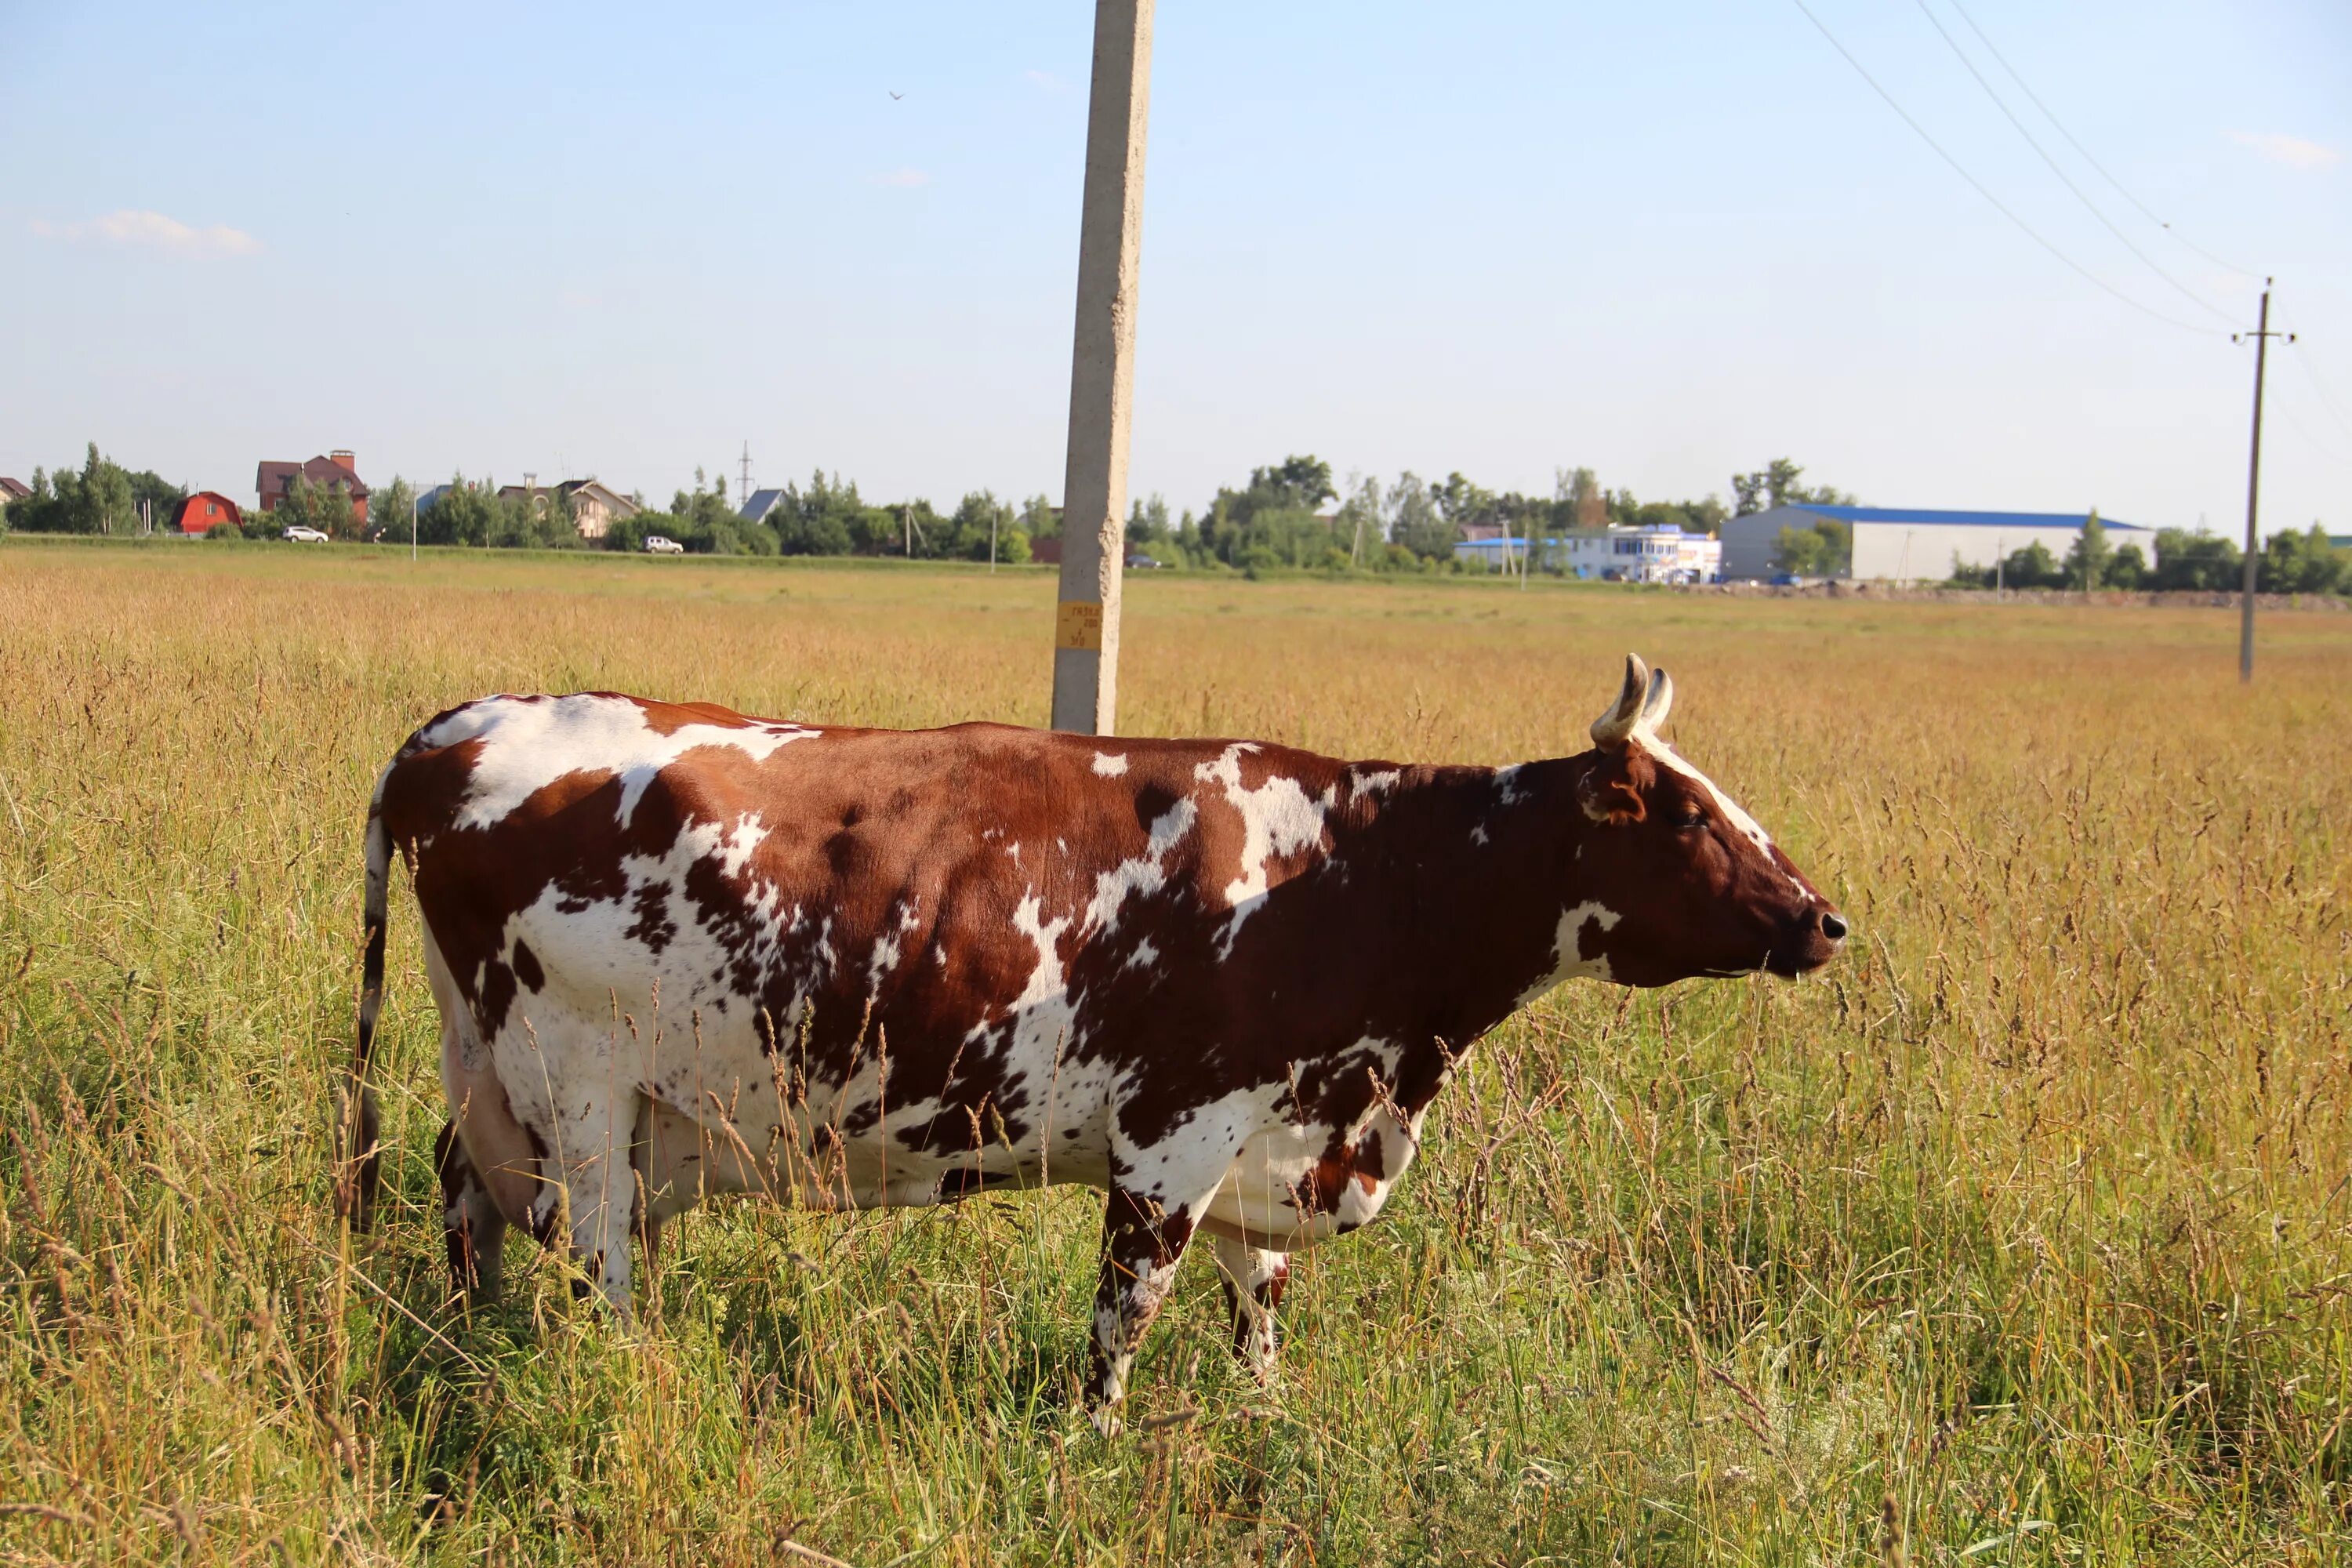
1106 1420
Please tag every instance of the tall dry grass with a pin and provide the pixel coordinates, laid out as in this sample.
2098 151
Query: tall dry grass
2020 1239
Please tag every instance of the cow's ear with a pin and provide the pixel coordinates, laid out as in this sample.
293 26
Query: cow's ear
1609 792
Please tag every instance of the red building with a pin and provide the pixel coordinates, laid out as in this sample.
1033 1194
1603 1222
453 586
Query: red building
275 481
205 511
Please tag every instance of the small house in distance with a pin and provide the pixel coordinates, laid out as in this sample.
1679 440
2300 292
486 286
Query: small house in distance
762 505
594 504
13 489
274 481
205 511
1897 544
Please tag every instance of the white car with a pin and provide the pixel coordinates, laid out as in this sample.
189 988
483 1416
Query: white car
660 544
301 535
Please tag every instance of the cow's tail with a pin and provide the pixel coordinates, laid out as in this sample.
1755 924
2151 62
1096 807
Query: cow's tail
358 1156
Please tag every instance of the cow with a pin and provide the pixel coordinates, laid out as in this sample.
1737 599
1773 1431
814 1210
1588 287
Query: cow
679 951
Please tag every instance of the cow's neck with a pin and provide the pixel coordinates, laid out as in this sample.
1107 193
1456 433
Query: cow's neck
1483 862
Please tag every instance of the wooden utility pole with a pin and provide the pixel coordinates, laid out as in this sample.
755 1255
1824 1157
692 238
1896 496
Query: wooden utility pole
1102 373
2261 334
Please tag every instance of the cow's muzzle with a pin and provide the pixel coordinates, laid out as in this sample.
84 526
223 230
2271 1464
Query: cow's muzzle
1812 942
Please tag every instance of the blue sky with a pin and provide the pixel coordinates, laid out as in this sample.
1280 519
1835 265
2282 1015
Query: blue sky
1499 237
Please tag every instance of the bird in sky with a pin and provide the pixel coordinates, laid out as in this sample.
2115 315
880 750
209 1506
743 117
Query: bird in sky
894 96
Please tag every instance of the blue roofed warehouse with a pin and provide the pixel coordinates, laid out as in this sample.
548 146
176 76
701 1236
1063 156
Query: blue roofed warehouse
1897 544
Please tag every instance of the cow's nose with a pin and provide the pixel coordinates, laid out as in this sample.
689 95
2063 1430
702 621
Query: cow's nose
1832 925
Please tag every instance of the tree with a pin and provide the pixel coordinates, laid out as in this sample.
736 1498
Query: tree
1301 482
2306 563
2198 561
2088 559
1775 485
1039 520
1363 525
388 510
1415 520
1798 549
1578 498
2128 570
1824 550
2032 567
463 513
155 500
308 504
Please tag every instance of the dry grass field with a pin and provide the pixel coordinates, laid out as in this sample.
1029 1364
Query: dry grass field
2022 1236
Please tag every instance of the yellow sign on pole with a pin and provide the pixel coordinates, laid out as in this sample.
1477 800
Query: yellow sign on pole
1077 623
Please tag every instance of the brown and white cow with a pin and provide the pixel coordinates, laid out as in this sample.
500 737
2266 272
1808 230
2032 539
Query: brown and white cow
678 951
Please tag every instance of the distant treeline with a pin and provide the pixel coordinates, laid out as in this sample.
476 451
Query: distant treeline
2290 562
1285 517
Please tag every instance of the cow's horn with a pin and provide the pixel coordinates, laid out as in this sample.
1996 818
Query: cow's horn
1615 727
1661 699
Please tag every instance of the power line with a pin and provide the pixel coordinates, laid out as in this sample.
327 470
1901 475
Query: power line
2319 385
2185 291
1979 186
2086 152
2322 447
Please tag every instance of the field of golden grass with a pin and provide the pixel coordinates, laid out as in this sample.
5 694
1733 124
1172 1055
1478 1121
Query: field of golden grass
2019 1238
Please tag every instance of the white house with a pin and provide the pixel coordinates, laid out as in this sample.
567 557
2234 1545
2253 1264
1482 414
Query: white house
1627 554
1895 544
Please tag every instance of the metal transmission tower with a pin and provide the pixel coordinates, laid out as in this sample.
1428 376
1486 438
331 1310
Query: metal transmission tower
1102 373
743 485
2261 334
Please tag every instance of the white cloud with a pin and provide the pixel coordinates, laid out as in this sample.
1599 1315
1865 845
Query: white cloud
2292 151
130 227
905 179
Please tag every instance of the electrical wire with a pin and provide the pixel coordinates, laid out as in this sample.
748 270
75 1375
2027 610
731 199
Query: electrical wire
2086 152
2322 447
2184 290
2304 357
1978 186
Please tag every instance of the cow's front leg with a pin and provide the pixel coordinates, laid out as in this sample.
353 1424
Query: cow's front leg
473 1226
1254 1278
1143 1240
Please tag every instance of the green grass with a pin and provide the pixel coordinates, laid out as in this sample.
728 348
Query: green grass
2019 1238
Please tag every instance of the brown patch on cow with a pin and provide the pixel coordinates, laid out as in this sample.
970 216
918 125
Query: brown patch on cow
527 969
669 717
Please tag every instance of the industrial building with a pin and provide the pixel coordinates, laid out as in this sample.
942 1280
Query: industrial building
1895 544
1621 554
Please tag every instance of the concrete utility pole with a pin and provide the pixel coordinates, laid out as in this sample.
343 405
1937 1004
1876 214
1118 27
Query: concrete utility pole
2261 334
1102 374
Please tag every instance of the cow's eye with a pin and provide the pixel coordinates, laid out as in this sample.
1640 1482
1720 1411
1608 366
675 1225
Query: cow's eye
1689 815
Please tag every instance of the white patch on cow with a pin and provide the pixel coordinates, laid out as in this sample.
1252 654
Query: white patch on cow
1478 834
1145 956
1741 823
1377 781
1278 817
1507 785
1567 960
1110 764
1143 876
527 745
736 845
1257 1192
885 960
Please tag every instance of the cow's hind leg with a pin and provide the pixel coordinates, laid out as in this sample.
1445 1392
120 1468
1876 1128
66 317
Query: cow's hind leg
472 1224
1143 1240
600 1188
1254 1278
